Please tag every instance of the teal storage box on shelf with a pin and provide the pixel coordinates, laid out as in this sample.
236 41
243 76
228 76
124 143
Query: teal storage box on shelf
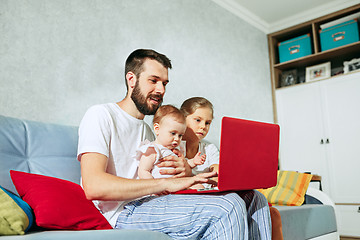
295 48
339 35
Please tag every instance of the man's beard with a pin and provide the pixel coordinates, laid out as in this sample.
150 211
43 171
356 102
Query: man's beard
141 101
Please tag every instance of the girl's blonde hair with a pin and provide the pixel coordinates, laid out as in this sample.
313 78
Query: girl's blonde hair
169 110
190 105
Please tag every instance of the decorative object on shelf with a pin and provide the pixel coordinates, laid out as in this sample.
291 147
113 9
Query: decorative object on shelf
295 48
288 78
337 69
339 35
318 72
301 79
352 65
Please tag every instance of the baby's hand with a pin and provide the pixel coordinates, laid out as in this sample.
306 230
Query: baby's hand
199 160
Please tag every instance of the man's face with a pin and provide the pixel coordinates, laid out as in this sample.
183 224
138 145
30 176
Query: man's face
149 88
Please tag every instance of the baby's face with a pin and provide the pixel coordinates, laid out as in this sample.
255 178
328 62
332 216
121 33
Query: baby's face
170 132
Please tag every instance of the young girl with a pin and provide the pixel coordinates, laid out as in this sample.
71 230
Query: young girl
199 114
169 127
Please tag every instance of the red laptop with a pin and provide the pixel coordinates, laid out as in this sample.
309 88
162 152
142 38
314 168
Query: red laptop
248 156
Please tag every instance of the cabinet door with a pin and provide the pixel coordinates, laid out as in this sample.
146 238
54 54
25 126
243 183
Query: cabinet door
299 110
342 123
348 218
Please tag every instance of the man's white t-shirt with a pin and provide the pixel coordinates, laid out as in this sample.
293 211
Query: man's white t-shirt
109 130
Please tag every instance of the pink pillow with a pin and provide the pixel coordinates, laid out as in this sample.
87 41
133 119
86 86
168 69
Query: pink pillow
57 203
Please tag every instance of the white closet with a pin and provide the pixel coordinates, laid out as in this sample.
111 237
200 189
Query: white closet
320 133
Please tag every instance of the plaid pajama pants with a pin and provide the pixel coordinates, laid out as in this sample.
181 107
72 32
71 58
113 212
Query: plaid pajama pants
242 215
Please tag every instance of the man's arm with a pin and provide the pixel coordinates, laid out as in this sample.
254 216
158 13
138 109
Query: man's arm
100 185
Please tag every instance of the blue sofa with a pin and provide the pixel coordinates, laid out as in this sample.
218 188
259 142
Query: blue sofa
50 149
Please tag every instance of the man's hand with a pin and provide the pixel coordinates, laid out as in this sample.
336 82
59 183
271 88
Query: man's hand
100 185
214 181
178 166
177 184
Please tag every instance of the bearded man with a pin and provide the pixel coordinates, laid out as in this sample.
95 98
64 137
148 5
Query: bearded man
110 133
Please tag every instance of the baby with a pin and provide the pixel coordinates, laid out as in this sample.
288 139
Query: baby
169 127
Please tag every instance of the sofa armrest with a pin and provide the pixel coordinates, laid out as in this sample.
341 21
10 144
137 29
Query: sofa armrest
321 196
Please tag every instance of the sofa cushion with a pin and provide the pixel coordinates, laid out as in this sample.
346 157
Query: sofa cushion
57 203
290 189
35 147
16 216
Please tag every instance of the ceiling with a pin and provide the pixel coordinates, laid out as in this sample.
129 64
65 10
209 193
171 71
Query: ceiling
274 15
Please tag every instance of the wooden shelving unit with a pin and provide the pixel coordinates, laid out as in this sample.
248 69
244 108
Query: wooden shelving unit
348 51
336 56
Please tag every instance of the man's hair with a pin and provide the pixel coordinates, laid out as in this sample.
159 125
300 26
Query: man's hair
190 105
134 63
169 111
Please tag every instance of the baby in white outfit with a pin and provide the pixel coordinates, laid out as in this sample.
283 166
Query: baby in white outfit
169 127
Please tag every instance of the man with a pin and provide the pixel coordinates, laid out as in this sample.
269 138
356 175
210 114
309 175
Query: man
108 137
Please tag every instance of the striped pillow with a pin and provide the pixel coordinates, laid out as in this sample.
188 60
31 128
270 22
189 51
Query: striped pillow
290 189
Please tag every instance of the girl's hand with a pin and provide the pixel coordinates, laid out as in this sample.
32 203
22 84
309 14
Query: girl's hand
214 180
199 160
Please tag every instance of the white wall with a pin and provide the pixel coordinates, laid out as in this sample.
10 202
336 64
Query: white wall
58 57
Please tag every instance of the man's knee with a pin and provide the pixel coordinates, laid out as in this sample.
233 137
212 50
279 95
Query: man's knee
234 205
260 197
253 198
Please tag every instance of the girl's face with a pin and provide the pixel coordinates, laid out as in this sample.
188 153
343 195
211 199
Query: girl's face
198 124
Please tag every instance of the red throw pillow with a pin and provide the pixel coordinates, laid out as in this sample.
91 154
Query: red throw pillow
57 203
